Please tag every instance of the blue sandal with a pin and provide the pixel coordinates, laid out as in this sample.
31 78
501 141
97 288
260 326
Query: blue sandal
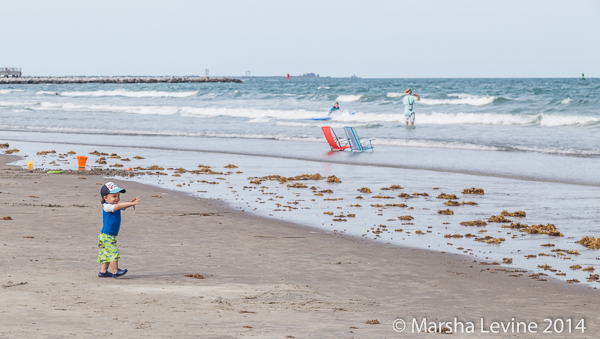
105 274
119 273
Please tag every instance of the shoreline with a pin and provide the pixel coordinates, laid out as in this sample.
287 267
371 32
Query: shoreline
300 281
312 159
112 80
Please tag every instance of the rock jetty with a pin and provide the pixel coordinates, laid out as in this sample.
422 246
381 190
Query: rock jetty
111 80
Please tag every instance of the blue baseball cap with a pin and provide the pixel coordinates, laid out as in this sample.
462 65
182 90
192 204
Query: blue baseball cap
111 187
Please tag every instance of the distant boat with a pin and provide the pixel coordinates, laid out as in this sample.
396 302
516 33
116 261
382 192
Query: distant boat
353 77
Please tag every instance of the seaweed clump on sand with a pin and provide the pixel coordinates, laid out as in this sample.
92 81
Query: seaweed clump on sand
477 223
406 217
11 151
364 190
548 229
519 214
471 203
473 191
383 197
297 185
590 242
488 239
396 205
453 236
446 212
593 278
196 275
447 196
306 177
498 218
404 195
283 179
421 194
452 203
231 166
333 179
391 188
4 145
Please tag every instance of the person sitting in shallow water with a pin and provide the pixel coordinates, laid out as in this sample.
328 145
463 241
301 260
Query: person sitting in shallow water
335 107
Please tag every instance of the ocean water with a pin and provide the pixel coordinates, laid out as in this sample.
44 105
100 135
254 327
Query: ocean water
555 116
532 144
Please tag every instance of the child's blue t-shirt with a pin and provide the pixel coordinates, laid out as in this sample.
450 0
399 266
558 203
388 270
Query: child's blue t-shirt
111 219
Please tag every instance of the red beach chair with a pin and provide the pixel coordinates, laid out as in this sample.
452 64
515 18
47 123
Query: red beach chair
333 140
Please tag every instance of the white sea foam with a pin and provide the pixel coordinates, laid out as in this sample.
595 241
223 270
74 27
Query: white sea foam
263 115
555 150
394 95
10 90
549 120
325 123
323 87
123 93
349 98
71 107
566 101
434 144
476 119
463 99
259 120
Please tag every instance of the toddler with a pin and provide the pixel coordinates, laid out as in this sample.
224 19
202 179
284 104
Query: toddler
108 253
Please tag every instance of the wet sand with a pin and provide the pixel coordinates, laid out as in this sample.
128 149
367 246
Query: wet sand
264 278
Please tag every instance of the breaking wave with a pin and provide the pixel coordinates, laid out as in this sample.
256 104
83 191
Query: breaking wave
462 99
566 101
349 98
264 115
10 90
123 93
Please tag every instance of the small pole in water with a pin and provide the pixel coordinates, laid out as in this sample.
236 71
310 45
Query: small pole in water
288 77
582 76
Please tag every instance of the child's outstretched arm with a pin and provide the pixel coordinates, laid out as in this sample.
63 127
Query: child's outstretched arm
125 205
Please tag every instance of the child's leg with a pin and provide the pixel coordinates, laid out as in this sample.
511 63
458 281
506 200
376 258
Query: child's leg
104 267
108 253
114 265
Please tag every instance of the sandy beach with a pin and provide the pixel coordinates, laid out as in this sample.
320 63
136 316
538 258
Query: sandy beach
263 278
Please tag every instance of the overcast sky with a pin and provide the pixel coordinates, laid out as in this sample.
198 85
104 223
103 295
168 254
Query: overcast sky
371 39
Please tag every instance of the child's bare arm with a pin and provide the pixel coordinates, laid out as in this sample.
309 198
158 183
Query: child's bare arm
125 205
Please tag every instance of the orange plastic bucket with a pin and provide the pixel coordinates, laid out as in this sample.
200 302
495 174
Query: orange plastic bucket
81 159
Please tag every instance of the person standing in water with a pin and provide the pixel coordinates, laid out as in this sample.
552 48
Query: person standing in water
409 110
335 107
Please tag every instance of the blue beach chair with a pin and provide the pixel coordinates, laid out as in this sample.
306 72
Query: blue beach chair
355 142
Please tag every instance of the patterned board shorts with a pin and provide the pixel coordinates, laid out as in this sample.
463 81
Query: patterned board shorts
107 249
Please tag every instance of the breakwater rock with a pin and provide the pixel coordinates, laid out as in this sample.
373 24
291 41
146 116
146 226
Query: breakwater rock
111 80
